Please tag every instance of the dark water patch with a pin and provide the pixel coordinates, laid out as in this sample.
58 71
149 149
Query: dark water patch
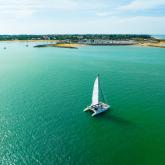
112 118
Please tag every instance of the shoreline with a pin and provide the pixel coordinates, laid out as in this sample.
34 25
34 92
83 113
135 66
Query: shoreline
158 43
60 45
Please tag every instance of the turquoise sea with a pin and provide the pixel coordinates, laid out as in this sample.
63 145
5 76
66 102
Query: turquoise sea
43 92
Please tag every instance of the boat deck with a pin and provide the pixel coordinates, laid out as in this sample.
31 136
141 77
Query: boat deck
99 108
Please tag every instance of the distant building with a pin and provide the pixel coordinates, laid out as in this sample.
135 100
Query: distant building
106 42
46 38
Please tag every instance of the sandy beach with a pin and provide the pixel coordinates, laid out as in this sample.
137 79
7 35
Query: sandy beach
56 43
71 45
160 44
61 45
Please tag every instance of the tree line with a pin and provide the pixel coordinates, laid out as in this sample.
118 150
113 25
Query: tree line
75 37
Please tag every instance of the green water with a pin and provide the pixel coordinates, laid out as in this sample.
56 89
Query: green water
43 93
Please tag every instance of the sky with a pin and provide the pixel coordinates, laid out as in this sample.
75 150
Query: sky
82 16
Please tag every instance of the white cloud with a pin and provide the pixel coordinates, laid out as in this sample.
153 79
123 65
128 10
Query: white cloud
24 9
140 24
29 7
135 5
41 5
104 14
77 16
142 5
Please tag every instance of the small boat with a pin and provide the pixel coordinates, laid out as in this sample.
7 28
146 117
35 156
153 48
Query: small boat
4 48
97 107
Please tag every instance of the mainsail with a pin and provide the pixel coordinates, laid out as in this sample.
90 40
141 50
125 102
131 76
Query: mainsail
95 96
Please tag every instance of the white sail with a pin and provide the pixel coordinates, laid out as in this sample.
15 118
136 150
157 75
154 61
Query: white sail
95 96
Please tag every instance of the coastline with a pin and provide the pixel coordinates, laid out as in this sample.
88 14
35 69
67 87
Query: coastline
57 43
160 44
61 45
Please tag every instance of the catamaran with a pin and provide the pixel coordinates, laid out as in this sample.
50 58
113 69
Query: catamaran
96 106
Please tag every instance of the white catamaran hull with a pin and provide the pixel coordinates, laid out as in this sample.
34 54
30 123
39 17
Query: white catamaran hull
96 109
